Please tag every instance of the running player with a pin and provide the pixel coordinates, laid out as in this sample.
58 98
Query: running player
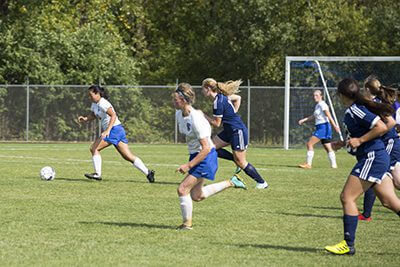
364 126
235 132
203 162
323 131
113 133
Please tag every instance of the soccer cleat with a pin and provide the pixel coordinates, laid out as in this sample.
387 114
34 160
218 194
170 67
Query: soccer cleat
341 249
305 166
237 182
150 176
184 227
93 176
238 169
262 185
361 217
334 166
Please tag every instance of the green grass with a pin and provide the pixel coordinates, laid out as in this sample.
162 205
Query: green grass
123 220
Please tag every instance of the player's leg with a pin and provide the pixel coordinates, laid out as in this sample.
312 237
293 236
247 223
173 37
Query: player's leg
386 194
125 152
396 176
98 145
185 200
353 188
369 200
310 152
331 154
220 140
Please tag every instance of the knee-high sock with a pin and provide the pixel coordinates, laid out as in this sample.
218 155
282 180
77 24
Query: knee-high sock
310 155
212 189
332 158
224 154
369 199
97 164
252 172
186 208
350 227
138 163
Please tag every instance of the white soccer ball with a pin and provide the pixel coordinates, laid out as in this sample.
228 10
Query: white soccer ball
47 173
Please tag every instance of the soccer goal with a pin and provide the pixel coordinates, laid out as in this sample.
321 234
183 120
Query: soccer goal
305 74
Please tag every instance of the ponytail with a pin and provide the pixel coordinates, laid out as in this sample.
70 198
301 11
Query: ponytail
227 88
385 93
98 89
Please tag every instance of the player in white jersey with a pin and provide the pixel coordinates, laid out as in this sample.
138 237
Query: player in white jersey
323 132
112 133
203 162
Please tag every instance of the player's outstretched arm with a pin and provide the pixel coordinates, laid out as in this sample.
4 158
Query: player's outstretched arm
87 118
236 101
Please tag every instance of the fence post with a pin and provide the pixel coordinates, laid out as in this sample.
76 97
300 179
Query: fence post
248 107
27 109
176 122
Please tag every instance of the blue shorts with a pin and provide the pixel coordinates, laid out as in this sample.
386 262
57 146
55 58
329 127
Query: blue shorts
372 166
207 167
393 149
238 138
323 131
117 134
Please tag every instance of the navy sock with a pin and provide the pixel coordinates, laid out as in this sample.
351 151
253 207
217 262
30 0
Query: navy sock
252 172
224 154
350 227
369 199
398 213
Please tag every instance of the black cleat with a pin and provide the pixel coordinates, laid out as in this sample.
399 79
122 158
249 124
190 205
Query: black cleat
150 176
93 176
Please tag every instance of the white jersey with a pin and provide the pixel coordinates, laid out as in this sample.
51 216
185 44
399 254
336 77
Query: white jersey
100 110
319 114
194 127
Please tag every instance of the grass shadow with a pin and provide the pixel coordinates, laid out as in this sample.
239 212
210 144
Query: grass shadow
129 224
340 208
72 179
278 247
308 215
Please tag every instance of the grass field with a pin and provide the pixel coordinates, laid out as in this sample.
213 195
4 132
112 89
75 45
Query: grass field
123 220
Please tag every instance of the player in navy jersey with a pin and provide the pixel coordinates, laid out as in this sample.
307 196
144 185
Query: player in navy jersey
203 162
323 131
235 132
383 94
364 123
112 133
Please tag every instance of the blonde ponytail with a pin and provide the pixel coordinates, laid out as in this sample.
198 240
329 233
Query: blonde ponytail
227 88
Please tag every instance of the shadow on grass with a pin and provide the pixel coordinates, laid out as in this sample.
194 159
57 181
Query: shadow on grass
281 165
340 208
72 179
277 247
129 224
309 215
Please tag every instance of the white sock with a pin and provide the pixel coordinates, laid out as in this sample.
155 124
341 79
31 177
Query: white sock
186 208
310 155
212 189
332 158
97 164
138 163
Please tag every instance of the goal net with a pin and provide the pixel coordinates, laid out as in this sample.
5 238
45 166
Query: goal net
305 74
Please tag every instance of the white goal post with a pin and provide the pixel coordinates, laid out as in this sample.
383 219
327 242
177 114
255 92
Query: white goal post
334 77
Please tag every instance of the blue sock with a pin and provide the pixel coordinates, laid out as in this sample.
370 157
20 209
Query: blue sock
350 227
252 172
224 154
369 199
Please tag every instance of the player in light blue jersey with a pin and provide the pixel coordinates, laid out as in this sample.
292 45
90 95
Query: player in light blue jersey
235 133
323 131
113 133
364 123
203 162
383 94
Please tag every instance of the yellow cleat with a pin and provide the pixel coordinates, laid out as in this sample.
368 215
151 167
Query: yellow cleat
341 249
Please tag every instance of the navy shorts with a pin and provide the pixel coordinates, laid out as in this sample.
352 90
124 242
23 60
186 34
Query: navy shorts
117 134
393 149
238 138
372 166
323 131
207 167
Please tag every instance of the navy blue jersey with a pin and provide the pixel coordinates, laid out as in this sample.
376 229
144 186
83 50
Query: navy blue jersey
223 108
391 134
358 120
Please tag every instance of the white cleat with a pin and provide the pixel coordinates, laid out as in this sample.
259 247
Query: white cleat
262 185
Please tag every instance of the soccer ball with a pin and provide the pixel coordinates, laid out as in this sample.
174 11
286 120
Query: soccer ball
47 173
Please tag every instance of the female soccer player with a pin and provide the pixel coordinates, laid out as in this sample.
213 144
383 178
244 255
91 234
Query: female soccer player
113 133
383 94
323 131
203 162
235 132
364 124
